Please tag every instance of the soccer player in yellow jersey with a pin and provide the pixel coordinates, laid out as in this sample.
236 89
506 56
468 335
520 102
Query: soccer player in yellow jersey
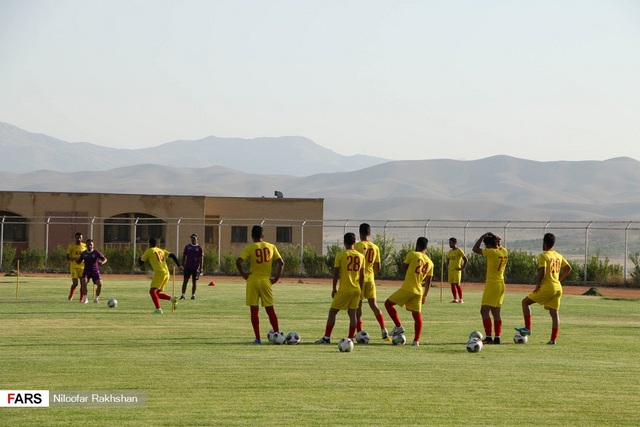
418 269
261 256
157 257
493 295
349 271
371 254
552 269
76 268
457 263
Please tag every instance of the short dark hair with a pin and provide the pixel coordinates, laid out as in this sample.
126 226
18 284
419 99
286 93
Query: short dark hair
490 240
421 243
78 234
549 239
453 239
88 240
349 238
256 231
153 241
365 228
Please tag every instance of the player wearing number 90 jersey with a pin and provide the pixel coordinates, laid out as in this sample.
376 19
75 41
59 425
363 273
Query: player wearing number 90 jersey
261 256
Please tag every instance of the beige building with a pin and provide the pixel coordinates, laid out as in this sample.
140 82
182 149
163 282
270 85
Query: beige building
45 220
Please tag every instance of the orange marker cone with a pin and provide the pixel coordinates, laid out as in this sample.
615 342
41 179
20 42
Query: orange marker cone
211 284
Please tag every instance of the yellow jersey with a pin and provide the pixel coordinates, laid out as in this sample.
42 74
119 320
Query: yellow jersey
420 267
261 256
371 254
350 263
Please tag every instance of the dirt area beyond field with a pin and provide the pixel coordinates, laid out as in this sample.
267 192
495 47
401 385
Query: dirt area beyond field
609 292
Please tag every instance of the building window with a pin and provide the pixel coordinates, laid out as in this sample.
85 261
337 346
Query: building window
284 234
14 227
118 228
239 234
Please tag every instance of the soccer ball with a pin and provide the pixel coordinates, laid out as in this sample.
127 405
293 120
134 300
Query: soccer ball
477 335
520 339
270 335
363 337
345 345
112 303
399 339
278 338
292 338
474 345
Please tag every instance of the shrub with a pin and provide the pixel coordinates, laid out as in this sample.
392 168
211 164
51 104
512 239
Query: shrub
600 271
120 258
314 264
58 259
291 257
386 245
435 254
210 261
476 268
522 267
332 251
397 259
32 259
228 264
635 273
8 257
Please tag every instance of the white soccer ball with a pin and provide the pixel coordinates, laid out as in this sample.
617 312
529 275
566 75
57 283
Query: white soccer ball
474 345
292 338
278 338
345 345
399 339
520 339
112 303
363 337
270 335
476 334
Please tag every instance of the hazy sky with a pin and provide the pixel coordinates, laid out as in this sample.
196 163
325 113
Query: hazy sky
542 80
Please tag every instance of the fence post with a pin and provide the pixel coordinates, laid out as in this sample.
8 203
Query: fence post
586 250
302 244
46 245
2 241
219 243
178 236
135 230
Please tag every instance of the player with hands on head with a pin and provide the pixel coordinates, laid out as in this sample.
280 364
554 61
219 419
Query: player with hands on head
494 288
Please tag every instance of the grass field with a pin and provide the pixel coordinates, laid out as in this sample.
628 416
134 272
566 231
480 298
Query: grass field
197 366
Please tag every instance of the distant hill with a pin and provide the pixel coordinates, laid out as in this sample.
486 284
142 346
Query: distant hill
24 152
498 187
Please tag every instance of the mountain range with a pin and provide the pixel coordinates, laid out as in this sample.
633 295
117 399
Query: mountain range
499 187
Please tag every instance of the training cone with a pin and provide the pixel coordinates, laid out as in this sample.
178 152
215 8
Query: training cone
211 284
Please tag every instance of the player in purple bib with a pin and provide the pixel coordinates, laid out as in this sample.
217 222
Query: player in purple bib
192 258
92 260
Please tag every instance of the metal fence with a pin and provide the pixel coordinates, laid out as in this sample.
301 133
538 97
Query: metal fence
616 241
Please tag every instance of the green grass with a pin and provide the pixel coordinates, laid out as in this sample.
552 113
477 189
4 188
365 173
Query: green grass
198 368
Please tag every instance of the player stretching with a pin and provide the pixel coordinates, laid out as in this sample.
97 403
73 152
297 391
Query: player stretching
457 262
493 295
261 255
348 268
371 254
157 257
92 259
418 269
73 253
192 258
552 269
